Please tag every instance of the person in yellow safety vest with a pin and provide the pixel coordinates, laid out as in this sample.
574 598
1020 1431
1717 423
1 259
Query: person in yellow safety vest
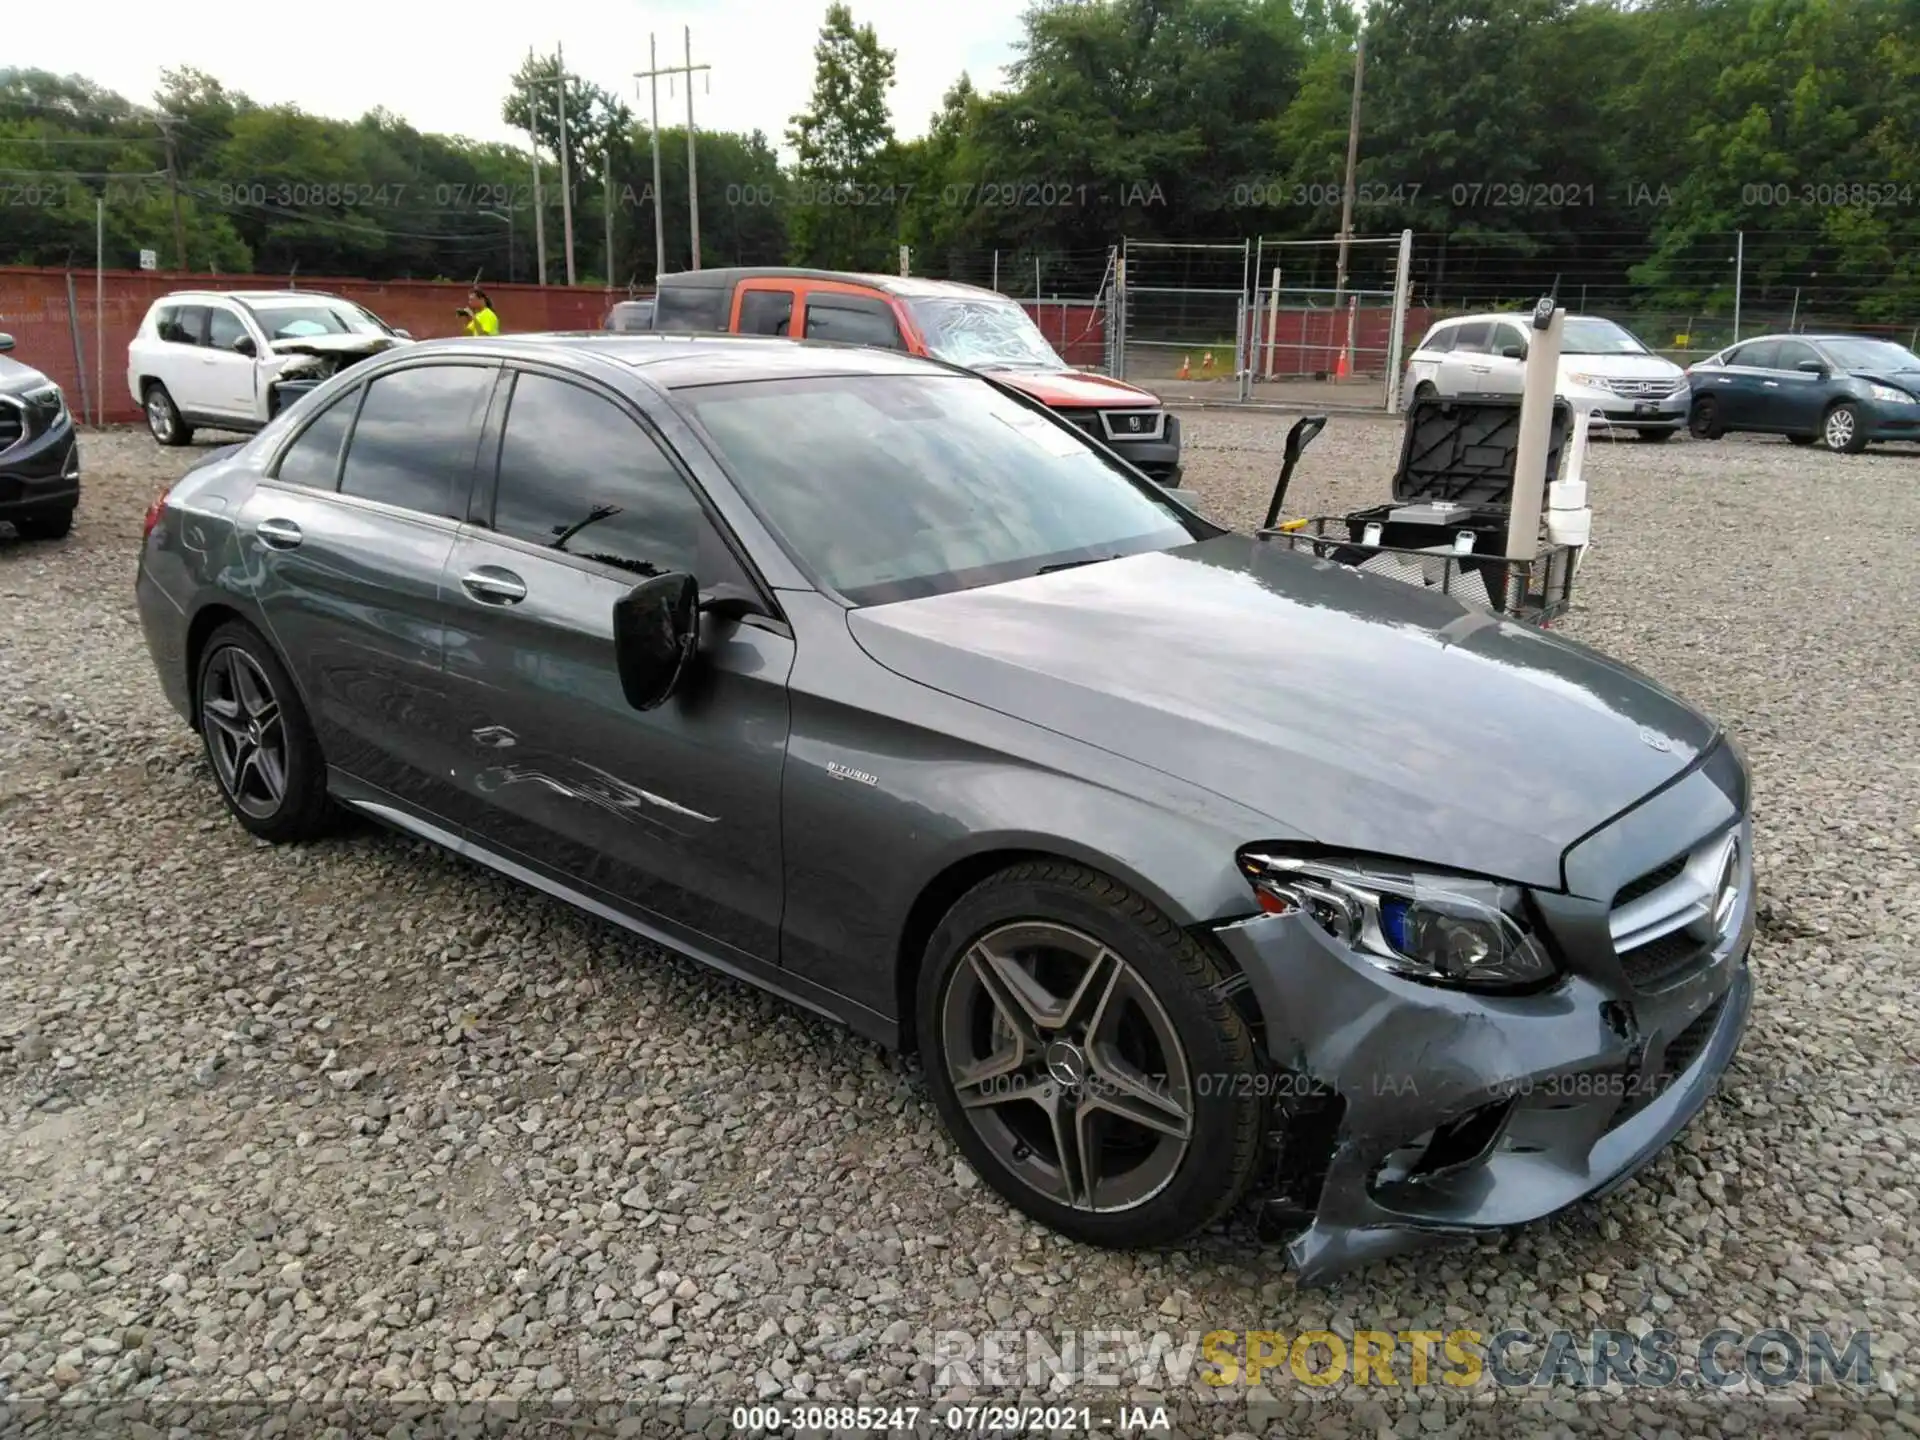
479 315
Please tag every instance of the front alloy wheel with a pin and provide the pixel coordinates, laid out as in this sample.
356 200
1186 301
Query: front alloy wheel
1082 1057
1842 430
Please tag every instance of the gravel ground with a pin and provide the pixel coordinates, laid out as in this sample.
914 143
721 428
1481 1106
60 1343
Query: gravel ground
360 1122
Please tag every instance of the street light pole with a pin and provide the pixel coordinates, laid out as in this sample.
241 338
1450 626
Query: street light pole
533 149
566 177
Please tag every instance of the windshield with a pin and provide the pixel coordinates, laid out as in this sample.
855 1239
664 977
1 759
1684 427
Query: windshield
300 322
1584 336
1880 355
983 334
891 487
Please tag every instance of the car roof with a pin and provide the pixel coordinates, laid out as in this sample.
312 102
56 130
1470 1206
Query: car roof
902 285
252 297
673 361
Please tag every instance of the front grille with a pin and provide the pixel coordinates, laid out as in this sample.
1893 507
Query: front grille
1651 881
13 423
1666 923
1086 420
1644 389
1127 425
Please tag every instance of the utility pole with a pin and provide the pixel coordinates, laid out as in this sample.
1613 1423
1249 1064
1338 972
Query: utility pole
533 148
166 123
653 74
606 185
566 177
1353 157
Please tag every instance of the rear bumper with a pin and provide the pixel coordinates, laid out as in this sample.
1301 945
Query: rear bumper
41 473
1418 1113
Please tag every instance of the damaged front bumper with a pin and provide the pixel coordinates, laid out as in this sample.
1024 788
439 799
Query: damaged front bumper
1415 1112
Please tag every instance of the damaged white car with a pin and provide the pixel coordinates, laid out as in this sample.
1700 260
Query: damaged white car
232 360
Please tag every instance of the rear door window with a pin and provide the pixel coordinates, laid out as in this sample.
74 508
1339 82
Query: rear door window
1474 336
414 442
182 324
313 460
852 320
1440 340
1756 354
766 312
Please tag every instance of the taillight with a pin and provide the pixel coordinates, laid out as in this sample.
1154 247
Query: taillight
154 512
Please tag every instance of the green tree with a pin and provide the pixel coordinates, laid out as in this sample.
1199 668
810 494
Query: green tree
840 216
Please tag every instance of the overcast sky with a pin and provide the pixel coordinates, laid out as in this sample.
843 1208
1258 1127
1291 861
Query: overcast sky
446 69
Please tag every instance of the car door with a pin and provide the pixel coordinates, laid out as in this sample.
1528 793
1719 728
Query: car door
671 815
229 373
1743 396
1465 369
180 333
346 541
1506 373
1796 398
851 319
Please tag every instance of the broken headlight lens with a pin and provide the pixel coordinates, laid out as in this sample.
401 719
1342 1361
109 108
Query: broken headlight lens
1423 925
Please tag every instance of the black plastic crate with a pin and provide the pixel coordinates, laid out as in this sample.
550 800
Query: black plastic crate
1536 591
1465 450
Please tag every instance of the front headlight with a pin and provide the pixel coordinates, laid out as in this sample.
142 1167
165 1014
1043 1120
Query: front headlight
1422 925
1890 395
47 401
1589 382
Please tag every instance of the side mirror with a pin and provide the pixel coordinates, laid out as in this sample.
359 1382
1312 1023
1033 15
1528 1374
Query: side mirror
1812 367
1514 352
245 346
656 630
6 343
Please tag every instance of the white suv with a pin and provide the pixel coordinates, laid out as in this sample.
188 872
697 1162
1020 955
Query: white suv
1604 369
232 360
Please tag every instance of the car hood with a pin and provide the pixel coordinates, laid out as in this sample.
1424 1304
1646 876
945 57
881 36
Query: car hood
1066 389
1625 367
15 376
336 345
1355 711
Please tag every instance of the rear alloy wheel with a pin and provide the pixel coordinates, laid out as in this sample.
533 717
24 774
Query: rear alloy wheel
1083 1058
163 417
259 742
1842 431
1703 420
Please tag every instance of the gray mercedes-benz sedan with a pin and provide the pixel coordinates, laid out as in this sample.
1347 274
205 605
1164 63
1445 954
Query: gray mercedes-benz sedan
1198 871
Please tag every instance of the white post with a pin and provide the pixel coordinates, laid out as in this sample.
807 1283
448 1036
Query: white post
1796 310
1273 318
1353 321
1739 267
1536 434
903 262
100 308
1397 337
996 270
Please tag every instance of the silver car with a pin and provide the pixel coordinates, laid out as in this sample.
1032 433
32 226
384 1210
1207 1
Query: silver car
1604 369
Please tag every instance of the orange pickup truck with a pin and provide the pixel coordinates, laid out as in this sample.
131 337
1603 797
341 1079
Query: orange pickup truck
962 324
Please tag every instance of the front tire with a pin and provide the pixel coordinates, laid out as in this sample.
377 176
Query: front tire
1703 420
1083 1058
1843 431
163 417
258 739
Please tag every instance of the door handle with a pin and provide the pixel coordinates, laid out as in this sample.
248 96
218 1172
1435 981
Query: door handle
1481 369
1771 384
494 586
279 534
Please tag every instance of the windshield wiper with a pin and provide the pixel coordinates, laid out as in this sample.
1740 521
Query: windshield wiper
1072 564
597 513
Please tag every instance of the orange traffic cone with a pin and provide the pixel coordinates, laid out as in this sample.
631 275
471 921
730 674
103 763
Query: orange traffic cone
1186 367
1340 370
1206 362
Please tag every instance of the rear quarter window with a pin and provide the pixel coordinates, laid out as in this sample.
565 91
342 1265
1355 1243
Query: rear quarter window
691 307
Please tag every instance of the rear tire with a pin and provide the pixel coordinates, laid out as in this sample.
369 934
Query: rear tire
163 417
1842 431
259 742
45 524
1097 1055
1703 420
